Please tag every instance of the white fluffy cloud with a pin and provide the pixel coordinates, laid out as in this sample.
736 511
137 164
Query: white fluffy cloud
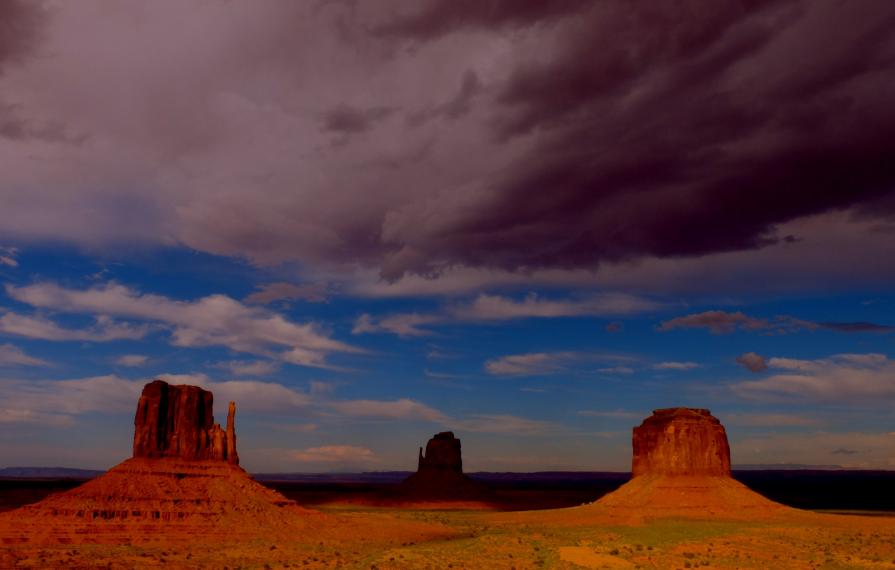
249 367
209 321
837 379
486 308
61 402
37 327
132 360
11 355
403 325
504 424
531 364
679 366
498 308
404 409
8 256
544 363
351 454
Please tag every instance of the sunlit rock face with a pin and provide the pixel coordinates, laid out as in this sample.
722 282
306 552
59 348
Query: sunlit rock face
177 422
681 442
442 454
183 484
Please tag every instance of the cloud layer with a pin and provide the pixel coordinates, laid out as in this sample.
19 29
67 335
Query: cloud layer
839 379
486 308
504 136
209 321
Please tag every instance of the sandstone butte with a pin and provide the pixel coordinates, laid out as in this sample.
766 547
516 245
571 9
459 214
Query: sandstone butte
681 466
182 482
439 474
177 422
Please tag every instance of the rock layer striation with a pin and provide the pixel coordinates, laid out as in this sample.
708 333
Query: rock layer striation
177 422
681 442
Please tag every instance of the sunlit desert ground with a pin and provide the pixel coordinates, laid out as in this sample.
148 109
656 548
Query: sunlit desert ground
346 536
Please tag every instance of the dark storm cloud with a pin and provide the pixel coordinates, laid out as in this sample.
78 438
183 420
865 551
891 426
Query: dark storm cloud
560 135
346 119
458 106
20 23
14 125
663 135
443 16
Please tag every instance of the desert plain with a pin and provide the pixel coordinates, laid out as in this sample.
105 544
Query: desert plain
183 501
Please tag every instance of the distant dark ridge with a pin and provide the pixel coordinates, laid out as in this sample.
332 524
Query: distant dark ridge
365 477
785 467
398 476
48 473
824 488
484 476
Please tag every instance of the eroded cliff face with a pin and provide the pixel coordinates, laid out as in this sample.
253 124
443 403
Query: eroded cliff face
681 442
442 454
177 422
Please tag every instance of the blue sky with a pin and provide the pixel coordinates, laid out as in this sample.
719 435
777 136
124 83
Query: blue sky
529 222
523 392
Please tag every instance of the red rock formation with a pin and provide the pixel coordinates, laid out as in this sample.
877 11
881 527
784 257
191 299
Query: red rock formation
681 442
183 482
440 475
231 456
177 422
442 454
681 467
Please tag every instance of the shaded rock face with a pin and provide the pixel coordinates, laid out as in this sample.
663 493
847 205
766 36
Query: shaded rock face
439 474
442 454
681 442
177 422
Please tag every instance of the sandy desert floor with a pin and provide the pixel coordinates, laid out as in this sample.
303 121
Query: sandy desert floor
583 537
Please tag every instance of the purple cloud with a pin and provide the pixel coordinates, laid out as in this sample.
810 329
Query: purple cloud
22 21
346 119
581 134
753 362
721 322
441 17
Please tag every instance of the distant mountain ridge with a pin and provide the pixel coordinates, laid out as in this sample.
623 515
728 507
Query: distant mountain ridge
48 473
384 477
785 467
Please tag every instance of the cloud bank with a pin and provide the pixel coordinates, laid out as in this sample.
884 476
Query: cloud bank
513 137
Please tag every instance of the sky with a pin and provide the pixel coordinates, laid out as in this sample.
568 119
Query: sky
530 222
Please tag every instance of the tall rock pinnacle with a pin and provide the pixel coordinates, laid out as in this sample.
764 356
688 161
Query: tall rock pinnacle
681 441
176 421
232 456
